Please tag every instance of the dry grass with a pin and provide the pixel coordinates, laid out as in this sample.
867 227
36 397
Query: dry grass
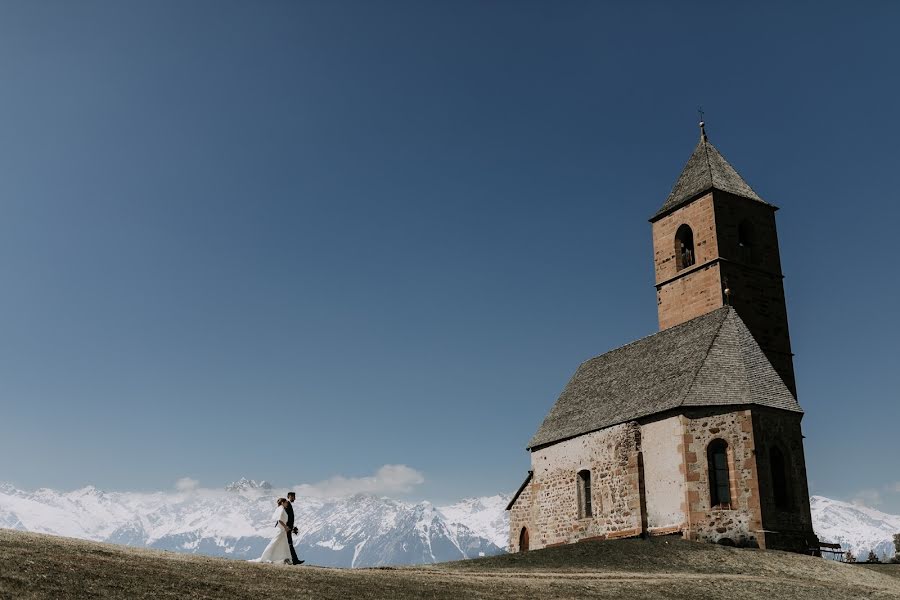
888 569
38 566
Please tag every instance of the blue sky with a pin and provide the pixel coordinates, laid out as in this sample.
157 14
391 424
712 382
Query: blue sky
296 240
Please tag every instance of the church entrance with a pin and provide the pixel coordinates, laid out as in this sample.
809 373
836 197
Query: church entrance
523 540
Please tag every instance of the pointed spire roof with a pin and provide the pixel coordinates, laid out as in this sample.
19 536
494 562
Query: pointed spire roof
706 169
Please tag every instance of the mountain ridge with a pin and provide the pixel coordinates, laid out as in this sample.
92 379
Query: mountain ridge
350 531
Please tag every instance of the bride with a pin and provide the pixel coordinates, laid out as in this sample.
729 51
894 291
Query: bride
278 550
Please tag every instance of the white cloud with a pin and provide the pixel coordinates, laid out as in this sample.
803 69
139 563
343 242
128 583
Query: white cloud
389 479
186 484
894 487
870 498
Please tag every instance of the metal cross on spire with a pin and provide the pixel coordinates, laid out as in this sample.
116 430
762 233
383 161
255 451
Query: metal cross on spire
702 124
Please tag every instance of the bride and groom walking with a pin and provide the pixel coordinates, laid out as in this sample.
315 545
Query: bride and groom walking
281 548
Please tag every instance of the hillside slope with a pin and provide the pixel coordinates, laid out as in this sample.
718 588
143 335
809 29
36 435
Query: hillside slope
41 566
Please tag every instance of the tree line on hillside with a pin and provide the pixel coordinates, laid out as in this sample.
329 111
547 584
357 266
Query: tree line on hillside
873 558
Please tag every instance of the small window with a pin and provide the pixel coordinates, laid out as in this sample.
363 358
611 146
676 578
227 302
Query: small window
745 241
779 478
719 477
684 247
585 509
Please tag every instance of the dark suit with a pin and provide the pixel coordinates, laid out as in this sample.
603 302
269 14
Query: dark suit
290 525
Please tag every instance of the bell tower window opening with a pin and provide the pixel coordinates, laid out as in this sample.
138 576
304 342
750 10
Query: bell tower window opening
719 476
585 510
684 247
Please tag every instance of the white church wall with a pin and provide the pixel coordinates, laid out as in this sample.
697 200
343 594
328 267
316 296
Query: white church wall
663 479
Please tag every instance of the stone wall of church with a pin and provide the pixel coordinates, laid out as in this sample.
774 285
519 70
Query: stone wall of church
521 515
549 505
789 525
740 522
674 493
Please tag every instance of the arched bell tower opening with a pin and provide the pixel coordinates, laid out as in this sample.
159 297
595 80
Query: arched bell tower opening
684 247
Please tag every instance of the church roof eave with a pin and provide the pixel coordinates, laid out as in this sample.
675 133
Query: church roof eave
520 490
656 416
688 199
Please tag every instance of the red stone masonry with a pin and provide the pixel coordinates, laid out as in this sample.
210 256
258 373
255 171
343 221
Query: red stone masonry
740 522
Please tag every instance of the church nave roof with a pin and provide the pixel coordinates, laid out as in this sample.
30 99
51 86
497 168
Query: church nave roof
712 360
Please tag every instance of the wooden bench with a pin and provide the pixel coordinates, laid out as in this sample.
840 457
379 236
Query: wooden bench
828 549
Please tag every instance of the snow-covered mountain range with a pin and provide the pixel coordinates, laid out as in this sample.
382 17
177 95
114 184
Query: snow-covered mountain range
353 531
856 528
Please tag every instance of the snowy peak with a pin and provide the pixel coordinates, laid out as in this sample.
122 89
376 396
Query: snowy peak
485 517
243 484
859 529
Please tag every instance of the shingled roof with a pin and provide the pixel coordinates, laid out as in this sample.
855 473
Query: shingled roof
712 360
706 169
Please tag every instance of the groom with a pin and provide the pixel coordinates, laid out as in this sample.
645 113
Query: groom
289 509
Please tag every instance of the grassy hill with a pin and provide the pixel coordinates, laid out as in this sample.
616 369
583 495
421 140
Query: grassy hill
40 566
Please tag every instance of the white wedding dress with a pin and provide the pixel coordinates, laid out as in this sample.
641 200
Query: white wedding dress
278 549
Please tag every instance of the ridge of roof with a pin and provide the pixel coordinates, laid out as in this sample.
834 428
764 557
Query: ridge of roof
706 169
674 328
712 342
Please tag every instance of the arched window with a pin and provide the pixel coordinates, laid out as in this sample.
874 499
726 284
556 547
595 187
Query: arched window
585 509
523 540
684 247
719 477
745 240
779 478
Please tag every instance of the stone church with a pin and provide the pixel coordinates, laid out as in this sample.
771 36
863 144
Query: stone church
694 430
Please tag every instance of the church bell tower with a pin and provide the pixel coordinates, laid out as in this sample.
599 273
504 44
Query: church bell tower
715 244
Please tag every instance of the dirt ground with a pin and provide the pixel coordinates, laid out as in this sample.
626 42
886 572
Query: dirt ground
39 566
